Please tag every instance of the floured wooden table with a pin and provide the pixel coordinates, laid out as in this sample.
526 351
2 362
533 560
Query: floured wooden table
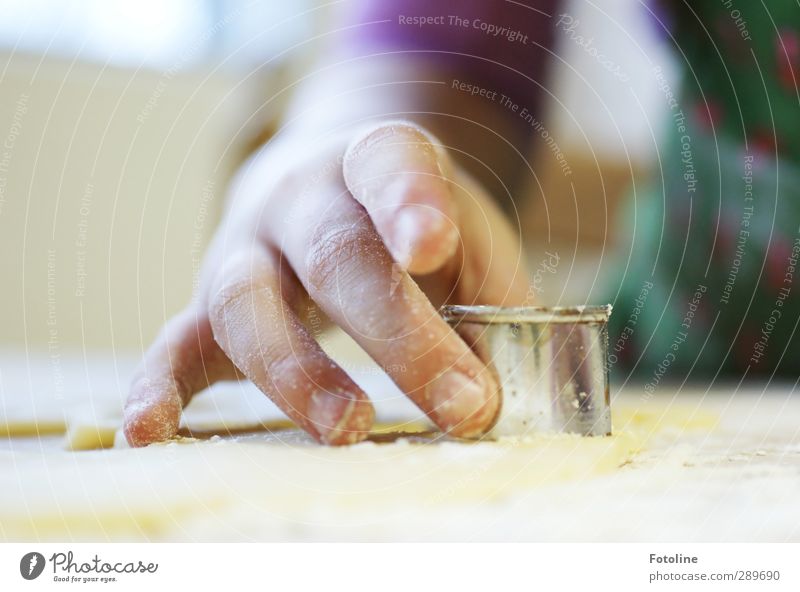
684 464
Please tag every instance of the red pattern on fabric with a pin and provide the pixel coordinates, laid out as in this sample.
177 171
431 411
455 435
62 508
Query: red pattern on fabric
709 114
777 257
787 57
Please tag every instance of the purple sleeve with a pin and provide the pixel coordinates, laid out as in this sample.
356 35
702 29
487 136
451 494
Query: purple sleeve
500 44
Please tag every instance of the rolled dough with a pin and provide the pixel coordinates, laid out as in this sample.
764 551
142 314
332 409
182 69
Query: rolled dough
239 471
275 483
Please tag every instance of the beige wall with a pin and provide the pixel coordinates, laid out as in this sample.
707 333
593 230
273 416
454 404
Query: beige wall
109 183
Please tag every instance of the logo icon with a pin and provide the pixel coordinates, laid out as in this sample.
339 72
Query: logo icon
31 565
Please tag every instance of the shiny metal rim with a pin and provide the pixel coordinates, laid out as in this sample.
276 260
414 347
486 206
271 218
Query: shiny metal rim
526 314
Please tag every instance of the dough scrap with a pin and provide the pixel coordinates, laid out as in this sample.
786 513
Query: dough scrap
92 435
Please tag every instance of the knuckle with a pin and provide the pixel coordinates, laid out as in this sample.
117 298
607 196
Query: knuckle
227 297
240 278
387 132
333 254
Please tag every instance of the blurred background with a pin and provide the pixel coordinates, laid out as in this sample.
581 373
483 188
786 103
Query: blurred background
121 121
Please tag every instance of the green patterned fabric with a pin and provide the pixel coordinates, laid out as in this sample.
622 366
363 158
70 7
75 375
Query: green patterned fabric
712 288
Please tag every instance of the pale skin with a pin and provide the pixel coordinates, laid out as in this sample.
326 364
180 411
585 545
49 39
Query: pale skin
365 221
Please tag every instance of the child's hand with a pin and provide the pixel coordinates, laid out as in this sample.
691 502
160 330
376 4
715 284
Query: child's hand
340 225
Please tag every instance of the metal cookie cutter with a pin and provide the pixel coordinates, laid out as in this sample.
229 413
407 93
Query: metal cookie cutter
550 362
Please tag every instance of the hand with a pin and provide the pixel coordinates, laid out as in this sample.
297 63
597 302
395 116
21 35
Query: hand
340 227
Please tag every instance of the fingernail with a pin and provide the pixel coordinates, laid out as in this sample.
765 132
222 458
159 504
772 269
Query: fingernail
461 405
340 418
405 233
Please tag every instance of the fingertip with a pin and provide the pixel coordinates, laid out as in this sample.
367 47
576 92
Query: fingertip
355 428
151 417
464 407
479 422
341 419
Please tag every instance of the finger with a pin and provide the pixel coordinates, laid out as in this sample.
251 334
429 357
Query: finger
344 265
183 360
492 269
266 340
398 172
